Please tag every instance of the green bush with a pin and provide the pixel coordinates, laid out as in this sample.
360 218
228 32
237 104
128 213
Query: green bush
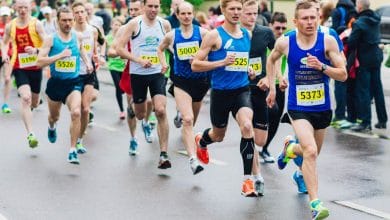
166 5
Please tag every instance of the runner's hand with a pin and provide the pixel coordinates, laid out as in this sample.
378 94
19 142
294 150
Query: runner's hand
89 68
229 59
5 59
164 68
313 62
251 73
263 84
145 63
283 83
66 53
271 98
31 50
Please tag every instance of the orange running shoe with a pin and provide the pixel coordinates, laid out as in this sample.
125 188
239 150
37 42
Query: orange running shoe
248 188
201 153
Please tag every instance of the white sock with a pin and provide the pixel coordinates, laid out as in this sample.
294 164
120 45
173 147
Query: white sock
299 172
192 158
72 149
259 178
79 140
54 126
247 177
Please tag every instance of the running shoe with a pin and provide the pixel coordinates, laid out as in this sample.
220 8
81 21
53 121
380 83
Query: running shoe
152 121
5 109
122 116
195 166
164 162
266 156
319 212
298 161
80 148
91 117
133 147
298 180
344 124
52 135
259 188
248 188
72 158
147 132
177 120
201 152
32 141
283 158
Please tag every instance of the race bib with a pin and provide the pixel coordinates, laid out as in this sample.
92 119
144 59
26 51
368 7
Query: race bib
240 62
66 65
256 65
87 47
27 60
151 56
187 50
309 95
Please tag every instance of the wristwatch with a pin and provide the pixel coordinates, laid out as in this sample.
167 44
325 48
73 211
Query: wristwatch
324 67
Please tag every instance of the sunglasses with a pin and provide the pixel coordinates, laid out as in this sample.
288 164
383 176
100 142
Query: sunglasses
278 28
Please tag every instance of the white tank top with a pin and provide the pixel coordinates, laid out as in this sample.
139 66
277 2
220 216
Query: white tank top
88 42
144 45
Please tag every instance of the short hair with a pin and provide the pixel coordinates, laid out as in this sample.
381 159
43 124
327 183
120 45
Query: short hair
184 3
224 3
144 1
278 17
63 9
365 4
76 4
303 5
249 2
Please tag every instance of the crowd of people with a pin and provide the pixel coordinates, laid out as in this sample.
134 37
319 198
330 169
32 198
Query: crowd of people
240 52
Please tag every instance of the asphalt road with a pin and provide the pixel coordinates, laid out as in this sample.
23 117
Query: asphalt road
109 184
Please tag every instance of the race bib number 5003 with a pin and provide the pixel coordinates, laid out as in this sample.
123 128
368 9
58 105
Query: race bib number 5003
187 50
309 95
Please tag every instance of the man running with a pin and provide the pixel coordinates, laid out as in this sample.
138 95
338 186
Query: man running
62 52
309 55
227 49
189 87
5 15
27 35
91 87
145 33
262 39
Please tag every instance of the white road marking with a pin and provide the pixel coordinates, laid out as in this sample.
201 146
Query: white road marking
358 134
213 161
364 209
105 127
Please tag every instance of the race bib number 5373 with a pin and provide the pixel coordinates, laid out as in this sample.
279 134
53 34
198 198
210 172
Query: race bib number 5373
309 95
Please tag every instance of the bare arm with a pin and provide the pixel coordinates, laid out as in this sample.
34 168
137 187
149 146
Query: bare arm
338 71
123 39
111 52
83 55
44 59
5 46
200 64
166 42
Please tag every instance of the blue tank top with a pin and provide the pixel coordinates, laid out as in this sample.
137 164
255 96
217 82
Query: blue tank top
184 49
65 68
308 88
236 75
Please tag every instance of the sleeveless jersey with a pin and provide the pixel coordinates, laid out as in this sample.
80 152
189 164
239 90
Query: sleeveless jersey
2 30
235 75
65 68
22 37
308 88
184 50
144 45
88 43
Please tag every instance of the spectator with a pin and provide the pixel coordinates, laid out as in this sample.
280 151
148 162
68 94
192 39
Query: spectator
263 10
105 16
212 16
326 8
365 38
202 19
49 23
343 15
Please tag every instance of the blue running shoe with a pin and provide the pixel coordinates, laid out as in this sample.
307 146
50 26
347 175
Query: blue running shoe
147 132
298 161
52 135
133 147
319 212
283 159
80 148
72 158
298 180
5 109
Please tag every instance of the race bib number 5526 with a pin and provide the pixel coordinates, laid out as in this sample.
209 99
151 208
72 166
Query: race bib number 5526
66 65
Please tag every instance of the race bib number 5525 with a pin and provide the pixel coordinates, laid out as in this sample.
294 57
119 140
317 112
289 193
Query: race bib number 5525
241 61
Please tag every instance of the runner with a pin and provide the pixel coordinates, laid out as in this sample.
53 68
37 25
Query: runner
26 34
309 55
145 32
262 39
227 49
62 52
189 87
91 85
5 14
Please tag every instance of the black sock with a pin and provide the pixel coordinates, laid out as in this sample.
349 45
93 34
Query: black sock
247 150
163 153
205 140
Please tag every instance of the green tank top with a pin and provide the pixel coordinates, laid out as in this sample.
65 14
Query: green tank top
114 63
282 66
